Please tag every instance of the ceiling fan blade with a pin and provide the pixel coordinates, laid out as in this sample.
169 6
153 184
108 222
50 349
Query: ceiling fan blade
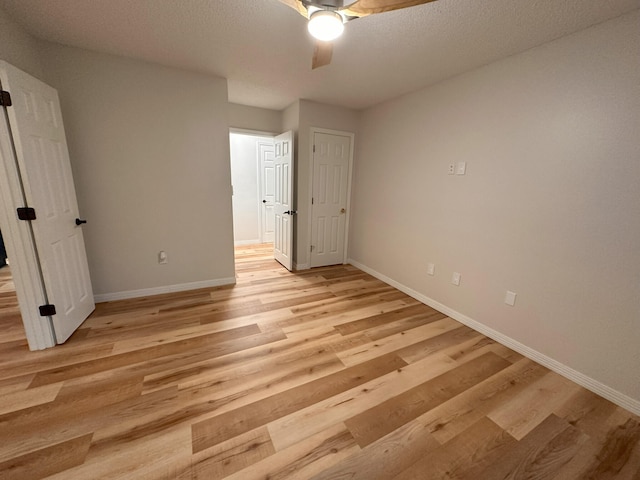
322 53
298 6
362 8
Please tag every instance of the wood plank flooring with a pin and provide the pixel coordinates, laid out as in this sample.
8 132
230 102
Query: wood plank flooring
322 374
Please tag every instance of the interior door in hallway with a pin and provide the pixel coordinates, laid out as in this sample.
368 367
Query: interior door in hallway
331 160
266 158
283 200
37 130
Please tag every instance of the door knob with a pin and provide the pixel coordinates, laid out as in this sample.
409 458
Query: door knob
342 210
264 201
80 222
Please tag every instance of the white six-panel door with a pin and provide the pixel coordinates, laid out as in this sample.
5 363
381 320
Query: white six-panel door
331 158
283 200
43 159
266 157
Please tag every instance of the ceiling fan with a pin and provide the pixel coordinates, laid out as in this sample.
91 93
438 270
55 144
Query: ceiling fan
327 19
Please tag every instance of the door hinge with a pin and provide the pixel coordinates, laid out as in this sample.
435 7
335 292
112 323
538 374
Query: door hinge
311 200
5 98
26 213
47 310
311 249
314 149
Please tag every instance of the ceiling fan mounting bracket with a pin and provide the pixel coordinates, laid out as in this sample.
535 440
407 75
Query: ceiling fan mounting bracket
326 4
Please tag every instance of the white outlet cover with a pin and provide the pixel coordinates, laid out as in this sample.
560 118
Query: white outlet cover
461 169
431 269
455 278
510 298
452 169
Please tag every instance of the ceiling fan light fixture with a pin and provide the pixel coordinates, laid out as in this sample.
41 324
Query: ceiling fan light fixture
326 25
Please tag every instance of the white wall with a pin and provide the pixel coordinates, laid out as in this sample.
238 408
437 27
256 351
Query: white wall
549 207
245 178
19 48
254 118
149 147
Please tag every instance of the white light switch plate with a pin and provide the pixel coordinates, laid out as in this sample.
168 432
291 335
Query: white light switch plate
510 298
431 269
461 169
455 278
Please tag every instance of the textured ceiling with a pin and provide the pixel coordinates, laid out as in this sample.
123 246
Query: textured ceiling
263 49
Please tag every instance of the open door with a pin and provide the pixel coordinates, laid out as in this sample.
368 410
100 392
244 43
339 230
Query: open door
39 146
283 201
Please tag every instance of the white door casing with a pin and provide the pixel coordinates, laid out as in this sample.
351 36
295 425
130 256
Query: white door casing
43 159
283 200
266 178
332 159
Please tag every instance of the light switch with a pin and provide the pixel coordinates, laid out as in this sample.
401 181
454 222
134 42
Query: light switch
510 298
455 278
461 169
431 269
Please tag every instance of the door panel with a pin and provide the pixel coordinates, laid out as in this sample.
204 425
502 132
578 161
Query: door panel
283 196
266 154
330 186
43 159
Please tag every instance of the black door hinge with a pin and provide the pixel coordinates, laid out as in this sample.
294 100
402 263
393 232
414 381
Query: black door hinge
314 149
5 98
26 213
47 310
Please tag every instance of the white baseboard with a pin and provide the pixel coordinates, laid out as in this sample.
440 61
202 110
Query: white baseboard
147 292
301 266
587 382
239 243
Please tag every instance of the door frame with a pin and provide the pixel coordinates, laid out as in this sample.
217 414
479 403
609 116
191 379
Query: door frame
21 246
352 136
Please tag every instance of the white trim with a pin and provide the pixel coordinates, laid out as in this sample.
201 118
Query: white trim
147 292
238 243
587 382
300 266
352 137
255 133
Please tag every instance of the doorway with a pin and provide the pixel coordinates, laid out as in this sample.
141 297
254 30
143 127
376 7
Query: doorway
262 191
39 212
11 327
252 178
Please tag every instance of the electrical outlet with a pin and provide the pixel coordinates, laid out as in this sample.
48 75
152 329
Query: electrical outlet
455 278
431 269
510 298
162 258
452 169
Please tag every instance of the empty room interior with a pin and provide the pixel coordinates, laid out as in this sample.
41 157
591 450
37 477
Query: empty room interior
232 247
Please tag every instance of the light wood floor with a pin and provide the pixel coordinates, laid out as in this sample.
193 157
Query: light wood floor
325 374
